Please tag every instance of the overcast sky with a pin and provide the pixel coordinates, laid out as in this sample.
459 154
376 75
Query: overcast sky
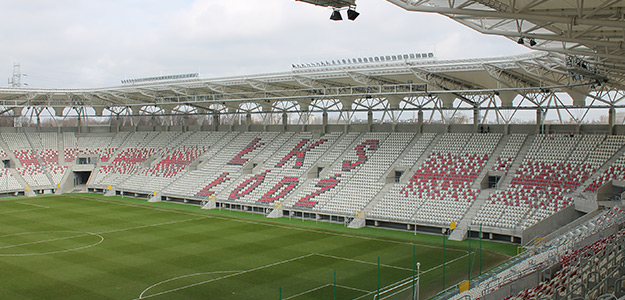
96 43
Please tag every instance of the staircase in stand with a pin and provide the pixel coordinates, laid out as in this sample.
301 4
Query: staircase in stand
492 159
460 233
516 163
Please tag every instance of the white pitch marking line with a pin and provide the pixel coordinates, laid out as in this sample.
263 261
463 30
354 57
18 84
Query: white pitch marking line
353 288
78 235
183 276
428 270
87 234
50 240
224 277
32 204
38 207
43 241
267 224
151 225
141 296
362 261
19 211
308 291
326 285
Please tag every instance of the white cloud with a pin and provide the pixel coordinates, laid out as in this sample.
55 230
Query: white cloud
206 19
92 43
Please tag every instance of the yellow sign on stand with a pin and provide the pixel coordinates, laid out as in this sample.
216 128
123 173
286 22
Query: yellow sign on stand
110 187
464 286
452 226
27 188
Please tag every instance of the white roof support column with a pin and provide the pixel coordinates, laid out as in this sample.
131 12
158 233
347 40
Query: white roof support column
477 119
267 109
17 111
169 110
58 111
393 106
346 114
99 111
507 98
611 118
579 99
305 112
446 103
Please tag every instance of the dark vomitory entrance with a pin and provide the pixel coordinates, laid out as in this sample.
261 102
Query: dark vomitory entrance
81 177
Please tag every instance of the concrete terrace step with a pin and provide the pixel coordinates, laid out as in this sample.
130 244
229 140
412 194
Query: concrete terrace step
460 233
516 163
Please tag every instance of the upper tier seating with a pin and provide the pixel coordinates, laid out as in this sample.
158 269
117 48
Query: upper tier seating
102 147
355 179
223 148
32 170
417 150
282 172
509 152
600 155
315 187
554 165
440 192
134 152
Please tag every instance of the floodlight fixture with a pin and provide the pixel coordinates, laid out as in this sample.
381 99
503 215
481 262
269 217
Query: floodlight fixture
521 41
336 15
533 42
352 14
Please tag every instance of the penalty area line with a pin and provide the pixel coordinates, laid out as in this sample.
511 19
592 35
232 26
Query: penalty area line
224 277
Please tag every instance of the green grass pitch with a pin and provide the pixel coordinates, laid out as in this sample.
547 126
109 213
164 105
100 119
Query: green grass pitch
86 246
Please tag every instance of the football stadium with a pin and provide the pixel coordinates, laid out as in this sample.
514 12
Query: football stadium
400 176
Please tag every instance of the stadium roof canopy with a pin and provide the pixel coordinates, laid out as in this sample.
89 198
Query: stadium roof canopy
581 55
593 30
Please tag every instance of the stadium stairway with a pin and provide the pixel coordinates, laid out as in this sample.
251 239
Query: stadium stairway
36 151
460 233
61 148
587 201
491 161
21 181
294 196
63 186
378 198
328 171
604 167
397 161
508 176
11 154
216 149
119 149
408 174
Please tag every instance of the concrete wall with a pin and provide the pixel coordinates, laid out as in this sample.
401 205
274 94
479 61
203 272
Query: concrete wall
604 192
618 129
513 288
553 222
435 128
407 127
385 127
461 128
